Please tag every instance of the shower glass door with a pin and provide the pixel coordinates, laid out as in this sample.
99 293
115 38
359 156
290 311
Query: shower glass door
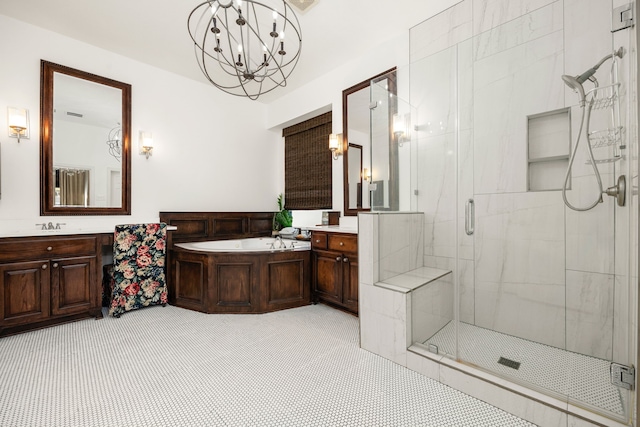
541 293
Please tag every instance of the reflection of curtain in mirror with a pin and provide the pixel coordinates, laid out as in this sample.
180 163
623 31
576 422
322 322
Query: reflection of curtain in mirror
74 186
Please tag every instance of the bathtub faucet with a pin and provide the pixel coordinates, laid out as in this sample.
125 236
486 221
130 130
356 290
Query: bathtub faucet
282 244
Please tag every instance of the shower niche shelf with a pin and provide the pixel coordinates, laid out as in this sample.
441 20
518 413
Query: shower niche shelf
548 149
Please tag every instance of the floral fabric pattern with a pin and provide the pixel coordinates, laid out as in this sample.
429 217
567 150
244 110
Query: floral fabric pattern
139 253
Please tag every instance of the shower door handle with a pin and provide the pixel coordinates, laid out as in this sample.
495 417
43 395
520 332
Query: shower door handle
469 217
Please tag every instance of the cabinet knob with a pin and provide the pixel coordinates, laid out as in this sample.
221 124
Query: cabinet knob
341 244
44 266
49 248
345 259
318 241
55 265
338 258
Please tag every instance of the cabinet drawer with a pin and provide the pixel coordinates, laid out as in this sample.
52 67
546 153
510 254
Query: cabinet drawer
17 249
318 240
343 243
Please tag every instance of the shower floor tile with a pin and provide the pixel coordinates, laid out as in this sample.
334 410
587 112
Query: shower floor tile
583 378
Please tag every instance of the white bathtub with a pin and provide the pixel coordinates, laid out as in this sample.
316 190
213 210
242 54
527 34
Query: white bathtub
257 244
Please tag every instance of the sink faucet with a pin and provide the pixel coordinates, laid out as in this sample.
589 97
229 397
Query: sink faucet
282 244
50 226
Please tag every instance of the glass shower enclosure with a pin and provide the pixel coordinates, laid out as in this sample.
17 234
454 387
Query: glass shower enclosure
541 294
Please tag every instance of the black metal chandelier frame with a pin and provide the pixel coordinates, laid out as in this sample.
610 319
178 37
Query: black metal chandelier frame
245 47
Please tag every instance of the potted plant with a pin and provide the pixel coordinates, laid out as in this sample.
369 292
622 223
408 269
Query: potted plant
283 218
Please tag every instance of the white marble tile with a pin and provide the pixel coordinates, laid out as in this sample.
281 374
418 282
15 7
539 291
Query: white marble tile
586 42
465 192
383 301
488 14
441 31
417 238
623 305
519 266
433 94
509 86
589 234
423 365
522 29
383 324
513 403
464 67
590 311
432 307
367 248
467 291
415 278
623 228
399 243
466 280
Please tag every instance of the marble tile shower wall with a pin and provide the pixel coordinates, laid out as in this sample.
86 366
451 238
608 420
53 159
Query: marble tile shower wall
533 268
401 243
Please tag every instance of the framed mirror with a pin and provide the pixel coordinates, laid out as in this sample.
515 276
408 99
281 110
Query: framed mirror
357 134
85 143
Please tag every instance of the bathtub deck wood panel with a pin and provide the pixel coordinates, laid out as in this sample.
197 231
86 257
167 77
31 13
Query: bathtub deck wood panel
190 284
258 282
243 282
204 226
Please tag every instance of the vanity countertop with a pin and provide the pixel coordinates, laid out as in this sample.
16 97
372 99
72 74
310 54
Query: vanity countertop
65 231
334 229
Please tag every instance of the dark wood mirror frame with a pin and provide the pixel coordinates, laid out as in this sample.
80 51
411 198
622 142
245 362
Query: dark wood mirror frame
47 207
345 135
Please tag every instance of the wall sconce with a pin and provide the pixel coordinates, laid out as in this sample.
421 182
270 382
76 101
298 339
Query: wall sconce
145 144
366 174
335 145
18 122
401 128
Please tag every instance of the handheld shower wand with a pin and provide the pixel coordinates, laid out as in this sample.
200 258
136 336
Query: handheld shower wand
575 83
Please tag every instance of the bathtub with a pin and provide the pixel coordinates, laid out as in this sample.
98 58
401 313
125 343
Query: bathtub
256 244
252 275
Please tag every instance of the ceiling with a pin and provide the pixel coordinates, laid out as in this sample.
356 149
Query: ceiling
155 32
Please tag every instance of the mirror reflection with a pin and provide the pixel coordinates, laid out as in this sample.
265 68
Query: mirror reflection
85 143
366 128
355 176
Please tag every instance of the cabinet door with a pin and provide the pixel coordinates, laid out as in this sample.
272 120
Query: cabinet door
327 281
350 282
24 287
72 285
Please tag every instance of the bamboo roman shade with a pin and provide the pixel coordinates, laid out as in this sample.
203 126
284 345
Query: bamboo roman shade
307 164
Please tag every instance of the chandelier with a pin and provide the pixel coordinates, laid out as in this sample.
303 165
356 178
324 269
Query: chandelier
245 47
114 142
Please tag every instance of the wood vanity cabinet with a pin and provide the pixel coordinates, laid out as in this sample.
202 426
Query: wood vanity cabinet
335 269
48 280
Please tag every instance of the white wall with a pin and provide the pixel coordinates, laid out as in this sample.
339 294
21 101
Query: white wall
212 150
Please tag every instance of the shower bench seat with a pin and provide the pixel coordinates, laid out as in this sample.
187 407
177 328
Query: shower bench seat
413 279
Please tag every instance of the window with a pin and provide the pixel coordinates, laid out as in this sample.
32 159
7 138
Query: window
307 164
